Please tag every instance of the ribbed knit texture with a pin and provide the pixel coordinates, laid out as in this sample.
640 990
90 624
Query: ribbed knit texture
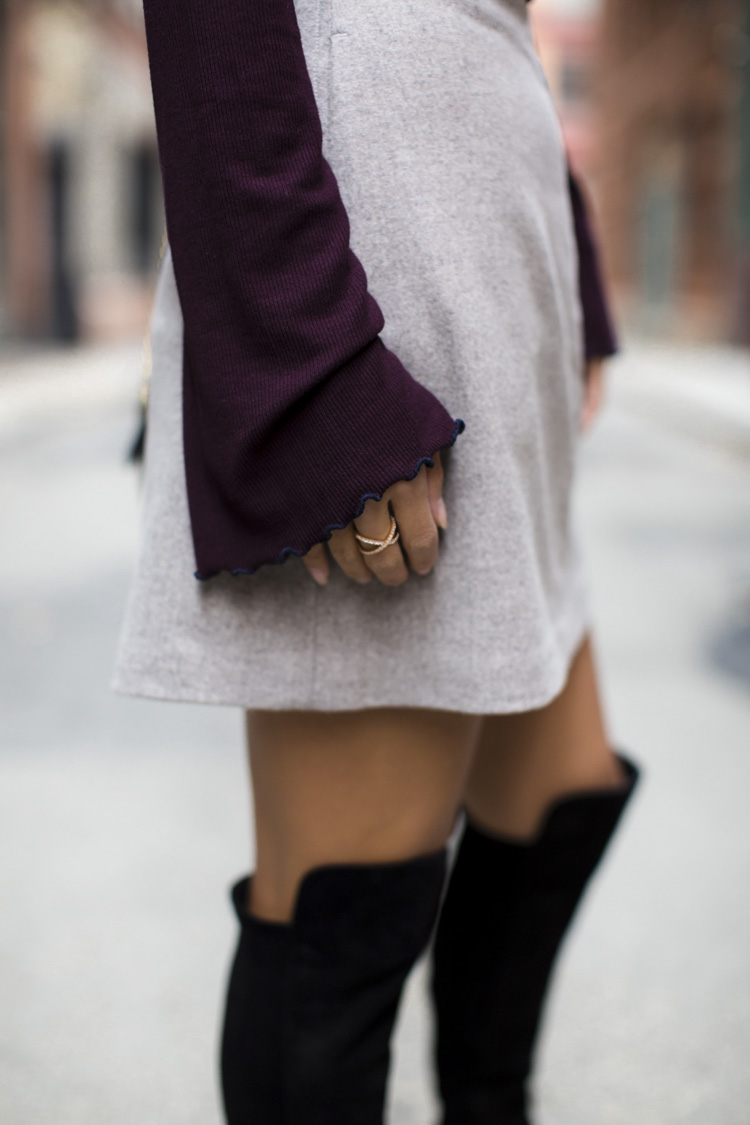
294 409
598 331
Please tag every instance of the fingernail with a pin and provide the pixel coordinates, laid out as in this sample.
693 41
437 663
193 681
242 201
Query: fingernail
320 576
363 580
423 572
441 518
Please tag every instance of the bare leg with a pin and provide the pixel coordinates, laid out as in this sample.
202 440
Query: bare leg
350 787
524 761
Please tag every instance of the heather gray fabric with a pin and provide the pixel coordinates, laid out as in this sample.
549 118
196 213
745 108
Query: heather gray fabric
440 128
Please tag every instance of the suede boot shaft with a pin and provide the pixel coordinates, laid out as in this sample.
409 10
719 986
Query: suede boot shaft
507 908
311 1004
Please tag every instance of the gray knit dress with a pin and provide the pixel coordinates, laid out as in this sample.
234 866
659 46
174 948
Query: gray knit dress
439 125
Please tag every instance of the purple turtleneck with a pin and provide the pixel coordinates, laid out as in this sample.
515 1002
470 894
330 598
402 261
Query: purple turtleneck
294 411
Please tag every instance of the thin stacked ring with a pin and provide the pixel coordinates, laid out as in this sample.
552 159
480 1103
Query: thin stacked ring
375 546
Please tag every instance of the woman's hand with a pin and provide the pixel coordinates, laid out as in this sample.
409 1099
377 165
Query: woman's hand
593 392
419 509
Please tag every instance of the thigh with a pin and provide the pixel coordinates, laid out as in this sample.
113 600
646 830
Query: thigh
354 786
524 761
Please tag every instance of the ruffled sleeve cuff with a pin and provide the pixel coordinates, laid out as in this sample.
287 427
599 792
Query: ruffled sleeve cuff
369 425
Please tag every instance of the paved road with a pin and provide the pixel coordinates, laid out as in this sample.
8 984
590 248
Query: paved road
122 821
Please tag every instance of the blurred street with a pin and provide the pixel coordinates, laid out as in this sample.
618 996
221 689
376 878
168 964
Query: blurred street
122 821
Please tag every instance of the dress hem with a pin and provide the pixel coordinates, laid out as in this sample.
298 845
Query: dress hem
133 683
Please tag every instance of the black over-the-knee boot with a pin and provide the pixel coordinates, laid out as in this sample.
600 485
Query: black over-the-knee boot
311 1004
506 909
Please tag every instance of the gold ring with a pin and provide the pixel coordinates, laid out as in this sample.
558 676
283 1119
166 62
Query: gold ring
375 546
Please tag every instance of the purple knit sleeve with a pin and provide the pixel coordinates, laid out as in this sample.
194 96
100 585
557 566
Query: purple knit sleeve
294 411
598 329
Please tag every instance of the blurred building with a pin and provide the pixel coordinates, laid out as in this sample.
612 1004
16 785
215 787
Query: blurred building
654 97
673 141
81 197
567 36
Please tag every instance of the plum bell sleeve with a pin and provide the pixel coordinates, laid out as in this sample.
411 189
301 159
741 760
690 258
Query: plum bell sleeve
598 328
294 411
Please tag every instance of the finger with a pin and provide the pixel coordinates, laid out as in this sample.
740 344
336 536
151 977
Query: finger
435 492
593 393
375 523
345 550
316 561
419 534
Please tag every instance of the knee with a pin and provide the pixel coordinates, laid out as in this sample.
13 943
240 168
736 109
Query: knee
354 838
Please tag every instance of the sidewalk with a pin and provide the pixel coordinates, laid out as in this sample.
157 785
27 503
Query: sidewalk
702 392
40 383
